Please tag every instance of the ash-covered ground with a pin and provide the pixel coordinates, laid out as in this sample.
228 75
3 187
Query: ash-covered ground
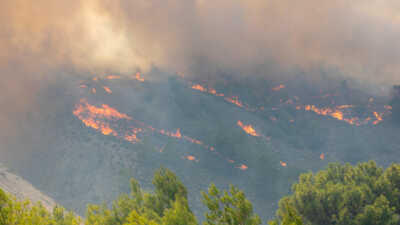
192 127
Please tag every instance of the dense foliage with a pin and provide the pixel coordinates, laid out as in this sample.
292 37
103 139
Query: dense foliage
346 195
340 195
166 205
13 212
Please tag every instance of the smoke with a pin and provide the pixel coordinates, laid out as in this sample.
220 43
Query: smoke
125 36
268 38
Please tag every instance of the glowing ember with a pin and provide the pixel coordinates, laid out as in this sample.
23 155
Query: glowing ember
102 118
138 77
334 113
107 89
209 90
104 112
199 88
322 156
242 167
101 126
283 164
133 136
191 158
234 100
277 88
248 129
378 118
177 134
113 77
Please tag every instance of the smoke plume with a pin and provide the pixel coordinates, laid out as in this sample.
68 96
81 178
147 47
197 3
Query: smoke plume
39 39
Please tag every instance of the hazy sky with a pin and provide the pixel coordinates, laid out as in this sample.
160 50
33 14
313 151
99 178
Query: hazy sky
359 38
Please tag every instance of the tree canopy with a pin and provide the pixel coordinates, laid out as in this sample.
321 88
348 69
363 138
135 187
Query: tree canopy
339 195
346 195
166 205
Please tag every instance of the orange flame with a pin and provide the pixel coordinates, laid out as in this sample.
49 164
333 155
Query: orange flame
89 121
138 77
242 167
107 89
234 100
248 129
378 118
277 88
199 88
104 112
191 158
113 77
335 113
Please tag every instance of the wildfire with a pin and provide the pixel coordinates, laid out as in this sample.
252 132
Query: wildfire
89 121
277 88
138 77
242 167
107 89
102 118
209 90
234 100
104 112
199 88
133 136
191 158
378 118
113 77
334 113
248 129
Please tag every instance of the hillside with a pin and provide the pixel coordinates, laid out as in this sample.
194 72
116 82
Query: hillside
176 125
22 189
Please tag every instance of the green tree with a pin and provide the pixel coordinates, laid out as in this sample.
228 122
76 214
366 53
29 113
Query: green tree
228 208
346 195
167 205
290 217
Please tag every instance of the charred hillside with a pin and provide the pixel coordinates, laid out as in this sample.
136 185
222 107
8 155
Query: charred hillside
91 135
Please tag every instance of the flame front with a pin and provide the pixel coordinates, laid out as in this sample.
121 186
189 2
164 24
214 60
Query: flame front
243 167
104 119
277 88
90 120
138 77
113 77
248 129
107 89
